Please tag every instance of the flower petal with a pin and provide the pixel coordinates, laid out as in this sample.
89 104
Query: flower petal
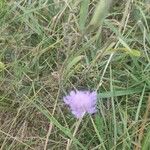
78 114
67 99
92 110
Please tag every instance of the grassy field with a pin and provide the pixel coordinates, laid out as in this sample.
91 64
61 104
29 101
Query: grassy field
50 47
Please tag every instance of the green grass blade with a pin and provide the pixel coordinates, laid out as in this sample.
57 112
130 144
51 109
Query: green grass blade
139 105
52 119
119 93
100 13
113 110
98 134
72 63
146 142
83 13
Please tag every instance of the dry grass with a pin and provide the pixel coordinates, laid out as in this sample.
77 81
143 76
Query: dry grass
48 48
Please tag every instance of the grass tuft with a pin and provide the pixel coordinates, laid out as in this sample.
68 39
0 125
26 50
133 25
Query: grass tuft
48 48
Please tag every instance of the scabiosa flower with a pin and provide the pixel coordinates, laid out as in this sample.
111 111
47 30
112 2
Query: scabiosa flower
81 102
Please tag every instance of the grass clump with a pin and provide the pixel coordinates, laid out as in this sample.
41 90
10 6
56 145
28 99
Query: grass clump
48 48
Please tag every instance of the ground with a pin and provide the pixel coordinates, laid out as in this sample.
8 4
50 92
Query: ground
50 47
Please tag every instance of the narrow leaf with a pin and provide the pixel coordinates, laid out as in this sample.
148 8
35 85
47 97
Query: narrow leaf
73 63
83 13
119 93
100 13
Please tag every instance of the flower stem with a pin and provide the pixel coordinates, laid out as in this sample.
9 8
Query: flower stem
74 133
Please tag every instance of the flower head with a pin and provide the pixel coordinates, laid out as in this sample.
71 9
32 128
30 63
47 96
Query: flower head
81 102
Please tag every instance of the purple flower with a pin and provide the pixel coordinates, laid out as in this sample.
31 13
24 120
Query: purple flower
81 102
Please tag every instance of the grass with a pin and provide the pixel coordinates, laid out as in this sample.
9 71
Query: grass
48 48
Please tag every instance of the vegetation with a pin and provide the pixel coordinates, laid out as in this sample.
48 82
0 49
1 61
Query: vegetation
48 48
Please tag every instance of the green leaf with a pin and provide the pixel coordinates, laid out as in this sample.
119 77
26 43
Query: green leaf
100 13
83 13
129 51
119 93
73 63
2 66
146 142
